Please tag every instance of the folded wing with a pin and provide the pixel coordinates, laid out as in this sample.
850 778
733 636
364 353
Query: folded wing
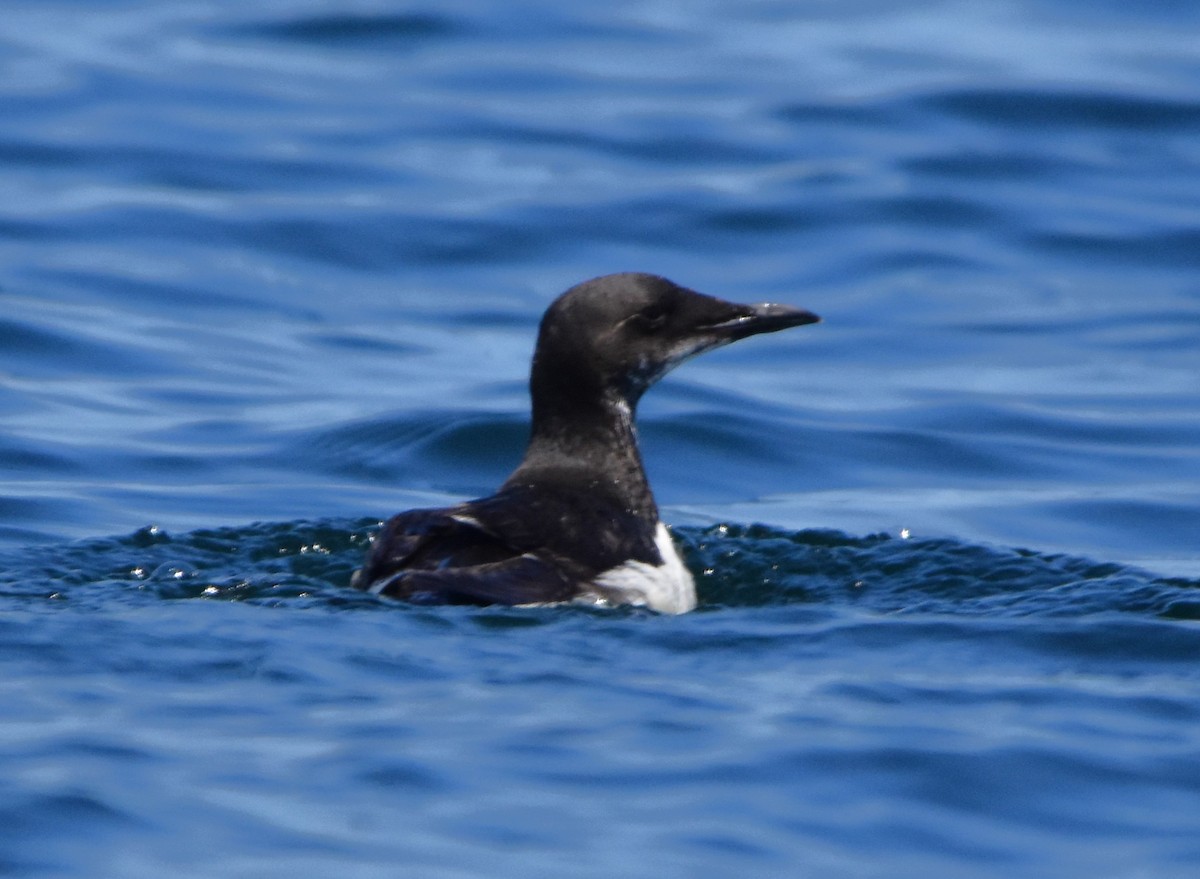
446 556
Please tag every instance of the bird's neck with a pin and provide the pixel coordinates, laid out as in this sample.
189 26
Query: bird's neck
588 440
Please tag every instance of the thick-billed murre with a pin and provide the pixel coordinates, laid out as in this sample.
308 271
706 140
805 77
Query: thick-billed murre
576 520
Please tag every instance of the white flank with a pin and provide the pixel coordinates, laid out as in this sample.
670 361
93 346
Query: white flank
667 588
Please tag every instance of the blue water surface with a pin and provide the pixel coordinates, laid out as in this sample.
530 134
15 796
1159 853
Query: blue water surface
271 271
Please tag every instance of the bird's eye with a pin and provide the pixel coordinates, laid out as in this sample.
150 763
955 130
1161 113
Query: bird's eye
651 318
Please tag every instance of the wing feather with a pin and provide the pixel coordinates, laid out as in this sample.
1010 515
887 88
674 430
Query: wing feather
447 556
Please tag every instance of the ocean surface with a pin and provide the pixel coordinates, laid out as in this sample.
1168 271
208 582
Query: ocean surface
271 271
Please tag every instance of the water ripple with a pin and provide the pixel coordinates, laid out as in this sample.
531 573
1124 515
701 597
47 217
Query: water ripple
736 567
353 31
283 260
1039 110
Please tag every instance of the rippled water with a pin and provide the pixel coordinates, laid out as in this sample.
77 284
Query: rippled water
271 272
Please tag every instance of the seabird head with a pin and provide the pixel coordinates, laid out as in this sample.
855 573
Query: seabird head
621 333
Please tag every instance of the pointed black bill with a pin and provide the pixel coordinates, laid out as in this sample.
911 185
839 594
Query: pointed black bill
763 318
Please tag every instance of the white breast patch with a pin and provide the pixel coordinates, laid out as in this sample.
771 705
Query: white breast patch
667 588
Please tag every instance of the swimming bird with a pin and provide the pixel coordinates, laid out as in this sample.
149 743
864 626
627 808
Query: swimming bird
576 521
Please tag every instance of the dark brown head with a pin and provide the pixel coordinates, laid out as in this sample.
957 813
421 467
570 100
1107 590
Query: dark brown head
621 333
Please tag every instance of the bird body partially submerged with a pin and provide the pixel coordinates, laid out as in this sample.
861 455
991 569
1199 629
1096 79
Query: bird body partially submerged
576 521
